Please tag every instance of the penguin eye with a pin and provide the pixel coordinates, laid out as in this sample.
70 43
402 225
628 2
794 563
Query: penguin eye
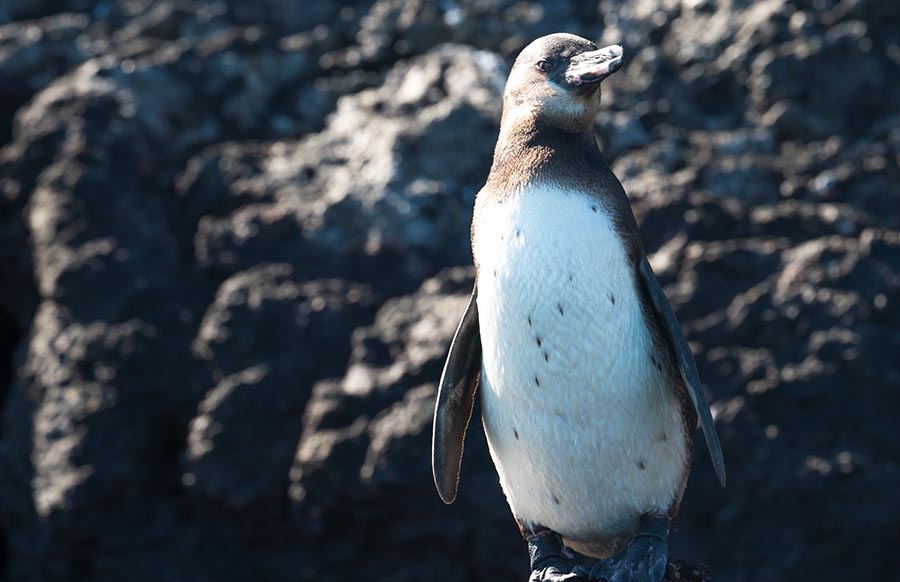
543 65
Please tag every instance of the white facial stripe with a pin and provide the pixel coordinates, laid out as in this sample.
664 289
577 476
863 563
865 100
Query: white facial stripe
564 102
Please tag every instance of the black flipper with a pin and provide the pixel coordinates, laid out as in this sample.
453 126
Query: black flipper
686 365
455 399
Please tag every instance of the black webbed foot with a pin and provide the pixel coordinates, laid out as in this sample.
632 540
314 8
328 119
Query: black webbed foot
551 561
644 559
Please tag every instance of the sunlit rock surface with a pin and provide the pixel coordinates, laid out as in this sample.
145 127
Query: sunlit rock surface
234 248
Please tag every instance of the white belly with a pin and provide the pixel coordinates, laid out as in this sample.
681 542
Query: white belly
583 429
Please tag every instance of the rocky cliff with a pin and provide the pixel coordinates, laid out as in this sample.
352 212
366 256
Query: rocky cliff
234 246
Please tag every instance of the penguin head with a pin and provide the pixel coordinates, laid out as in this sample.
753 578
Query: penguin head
557 79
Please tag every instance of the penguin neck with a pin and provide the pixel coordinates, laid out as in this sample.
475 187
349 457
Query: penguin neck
530 148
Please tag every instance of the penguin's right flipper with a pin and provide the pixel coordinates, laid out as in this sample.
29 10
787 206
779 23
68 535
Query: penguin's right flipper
686 365
455 399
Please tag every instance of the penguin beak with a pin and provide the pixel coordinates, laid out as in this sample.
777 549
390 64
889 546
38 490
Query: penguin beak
594 66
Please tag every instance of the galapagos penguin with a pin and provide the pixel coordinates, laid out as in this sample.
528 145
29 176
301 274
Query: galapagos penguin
590 394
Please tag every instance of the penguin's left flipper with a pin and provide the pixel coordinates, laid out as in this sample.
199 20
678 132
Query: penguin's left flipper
686 365
455 399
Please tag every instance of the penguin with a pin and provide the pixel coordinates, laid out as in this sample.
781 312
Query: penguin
590 394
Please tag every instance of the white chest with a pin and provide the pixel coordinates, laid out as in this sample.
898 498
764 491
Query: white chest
583 429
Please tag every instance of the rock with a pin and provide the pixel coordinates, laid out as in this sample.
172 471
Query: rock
32 56
377 421
267 339
233 249
679 570
781 86
367 196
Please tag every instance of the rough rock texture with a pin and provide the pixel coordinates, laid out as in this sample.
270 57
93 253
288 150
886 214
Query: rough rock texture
234 246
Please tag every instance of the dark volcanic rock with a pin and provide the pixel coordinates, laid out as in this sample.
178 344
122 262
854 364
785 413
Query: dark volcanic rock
370 196
204 205
680 571
267 339
379 497
32 55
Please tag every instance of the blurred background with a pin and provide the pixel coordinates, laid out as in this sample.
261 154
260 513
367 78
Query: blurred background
234 247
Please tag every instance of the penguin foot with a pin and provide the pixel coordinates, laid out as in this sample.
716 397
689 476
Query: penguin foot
551 561
644 559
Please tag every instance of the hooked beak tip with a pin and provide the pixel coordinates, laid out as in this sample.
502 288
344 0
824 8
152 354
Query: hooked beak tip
595 66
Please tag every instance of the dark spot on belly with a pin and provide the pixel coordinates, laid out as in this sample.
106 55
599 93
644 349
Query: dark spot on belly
641 464
495 272
594 207
559 306
663 437
555 498
536 381
539 342
546 357
516 433
570 277
518 232
612 298
529 321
